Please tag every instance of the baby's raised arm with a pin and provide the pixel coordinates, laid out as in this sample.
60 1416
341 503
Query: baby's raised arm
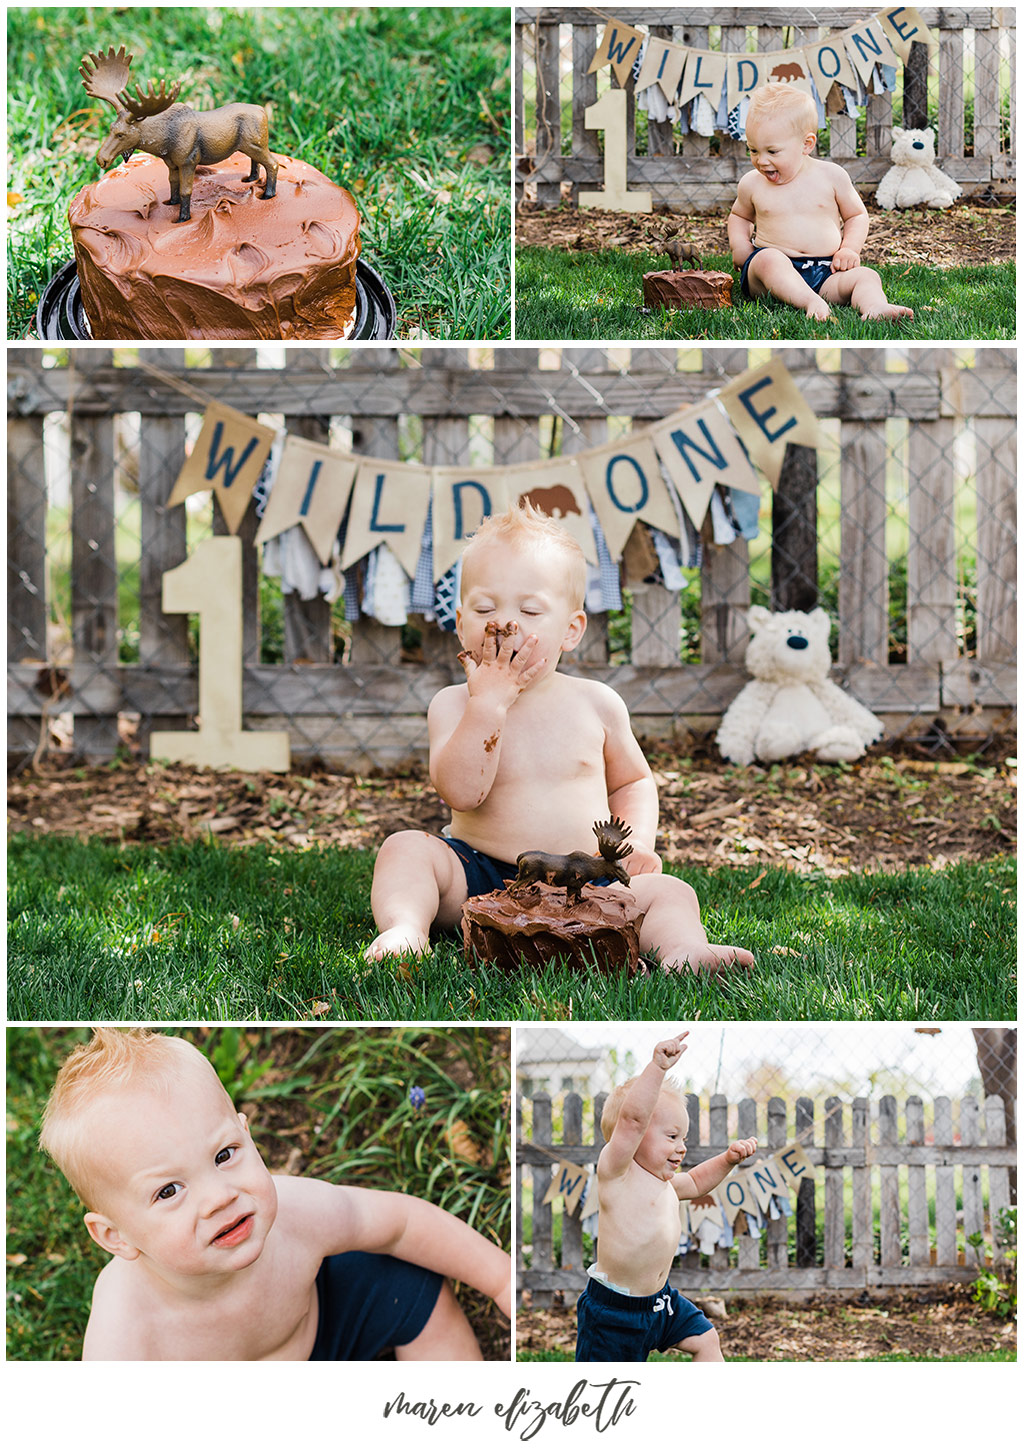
638 1108
710 1173
339 1218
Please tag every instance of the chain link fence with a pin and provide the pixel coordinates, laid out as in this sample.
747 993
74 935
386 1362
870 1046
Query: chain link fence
961 85
903 527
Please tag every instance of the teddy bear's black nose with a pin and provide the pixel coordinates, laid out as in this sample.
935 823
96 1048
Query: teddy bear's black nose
798 642
918 146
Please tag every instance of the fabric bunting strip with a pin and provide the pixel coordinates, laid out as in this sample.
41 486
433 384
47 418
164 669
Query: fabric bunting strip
704 91
390 533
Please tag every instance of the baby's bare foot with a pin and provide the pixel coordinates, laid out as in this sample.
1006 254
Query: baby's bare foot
888 311
398 940
819 310
711 958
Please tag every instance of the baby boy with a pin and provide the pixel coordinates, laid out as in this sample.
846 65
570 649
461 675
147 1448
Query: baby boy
628 1307
528 758
798 224
214 1258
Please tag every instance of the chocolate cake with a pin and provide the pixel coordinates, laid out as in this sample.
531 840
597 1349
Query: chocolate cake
600 932
243 267
689 288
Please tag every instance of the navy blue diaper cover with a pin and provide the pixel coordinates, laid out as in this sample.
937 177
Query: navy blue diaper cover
614 1326
369 1303
814 272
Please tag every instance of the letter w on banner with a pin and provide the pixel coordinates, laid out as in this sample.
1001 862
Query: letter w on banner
567 1183
228 457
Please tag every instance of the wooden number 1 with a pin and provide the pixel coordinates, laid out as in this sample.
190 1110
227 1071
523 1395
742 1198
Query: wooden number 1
608 114
210 582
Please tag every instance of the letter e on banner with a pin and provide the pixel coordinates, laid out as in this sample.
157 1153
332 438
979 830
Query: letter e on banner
794 1164
769 413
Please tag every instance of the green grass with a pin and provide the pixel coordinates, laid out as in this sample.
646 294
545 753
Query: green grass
203 931
339 1097
599 295
407 108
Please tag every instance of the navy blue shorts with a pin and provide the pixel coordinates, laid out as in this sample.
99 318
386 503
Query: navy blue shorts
814 272
483 874
369 1303
613 1326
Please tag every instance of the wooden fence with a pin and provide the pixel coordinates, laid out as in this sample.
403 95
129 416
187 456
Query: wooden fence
848 1231
368 709
975 122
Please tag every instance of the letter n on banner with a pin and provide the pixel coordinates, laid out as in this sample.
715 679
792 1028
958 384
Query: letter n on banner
769 413
700 449
463 498
227 458
390 501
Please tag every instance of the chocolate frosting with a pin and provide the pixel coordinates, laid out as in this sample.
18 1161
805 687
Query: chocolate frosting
241 268
601 932
692 288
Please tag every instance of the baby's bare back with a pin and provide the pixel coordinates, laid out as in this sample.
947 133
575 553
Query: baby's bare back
638 1230
551 783
801 218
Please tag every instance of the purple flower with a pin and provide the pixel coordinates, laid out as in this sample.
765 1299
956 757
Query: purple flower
417 1097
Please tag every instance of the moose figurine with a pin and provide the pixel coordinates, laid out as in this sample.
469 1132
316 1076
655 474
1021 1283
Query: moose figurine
161 125
575 870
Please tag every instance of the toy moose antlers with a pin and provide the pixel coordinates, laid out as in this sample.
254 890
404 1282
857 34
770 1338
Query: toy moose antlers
577 869
183 138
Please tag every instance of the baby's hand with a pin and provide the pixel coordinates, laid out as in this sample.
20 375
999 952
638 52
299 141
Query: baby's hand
667 1053
844 259
745 1148
497 674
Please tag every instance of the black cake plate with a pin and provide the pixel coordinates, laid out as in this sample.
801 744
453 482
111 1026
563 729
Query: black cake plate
60 314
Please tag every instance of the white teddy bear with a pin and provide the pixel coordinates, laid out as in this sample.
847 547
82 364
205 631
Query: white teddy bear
791 706
914 180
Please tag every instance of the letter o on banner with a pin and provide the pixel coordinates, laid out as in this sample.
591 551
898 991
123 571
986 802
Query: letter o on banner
639 476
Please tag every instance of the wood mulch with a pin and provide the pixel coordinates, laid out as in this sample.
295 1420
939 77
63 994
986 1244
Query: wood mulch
918 1323
882 813
963 235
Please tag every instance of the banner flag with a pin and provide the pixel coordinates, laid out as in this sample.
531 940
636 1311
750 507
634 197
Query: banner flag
567 1183
662 65
700 449
904 25
867 48
793 1162
735 1194
463 497
766 1182
311 490
620 46
556 487
704 76
625 484
769 413
789 66
228 457
389 505
830 65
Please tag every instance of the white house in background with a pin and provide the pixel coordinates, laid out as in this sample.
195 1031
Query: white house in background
547 1060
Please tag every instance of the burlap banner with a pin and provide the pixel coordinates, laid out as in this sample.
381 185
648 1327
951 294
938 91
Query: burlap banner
651 475
846 58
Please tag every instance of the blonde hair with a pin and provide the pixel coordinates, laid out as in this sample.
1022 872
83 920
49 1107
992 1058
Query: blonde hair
778 99
525 527
617 1096
114 1062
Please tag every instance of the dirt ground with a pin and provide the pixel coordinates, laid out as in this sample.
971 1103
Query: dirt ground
963 235
882 813
942 1321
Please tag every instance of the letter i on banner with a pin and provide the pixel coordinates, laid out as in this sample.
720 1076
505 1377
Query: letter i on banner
228 457
210 582
311 490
